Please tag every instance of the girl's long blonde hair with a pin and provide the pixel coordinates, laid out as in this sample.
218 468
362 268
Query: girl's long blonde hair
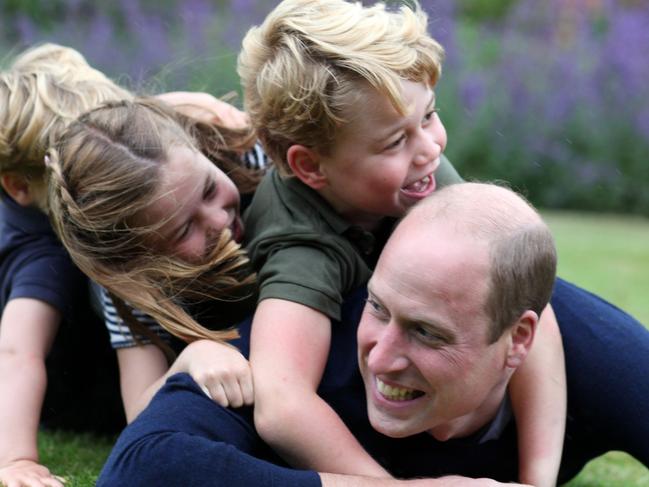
104 171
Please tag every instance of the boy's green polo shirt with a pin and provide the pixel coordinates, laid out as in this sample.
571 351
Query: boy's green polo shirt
306 252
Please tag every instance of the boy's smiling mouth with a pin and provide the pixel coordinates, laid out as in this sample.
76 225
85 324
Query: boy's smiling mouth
420 188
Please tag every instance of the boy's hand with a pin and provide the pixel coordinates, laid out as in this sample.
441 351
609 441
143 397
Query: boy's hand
221 371
27 473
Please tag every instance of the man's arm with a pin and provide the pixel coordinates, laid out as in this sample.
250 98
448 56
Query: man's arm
539 400
288 352
336 480
220 369
27 331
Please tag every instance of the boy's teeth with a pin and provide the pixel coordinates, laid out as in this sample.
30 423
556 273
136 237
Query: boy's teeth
396 393
419 186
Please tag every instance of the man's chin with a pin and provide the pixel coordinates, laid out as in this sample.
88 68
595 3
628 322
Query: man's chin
390 426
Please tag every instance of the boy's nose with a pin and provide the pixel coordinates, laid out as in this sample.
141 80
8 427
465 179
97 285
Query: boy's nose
427 151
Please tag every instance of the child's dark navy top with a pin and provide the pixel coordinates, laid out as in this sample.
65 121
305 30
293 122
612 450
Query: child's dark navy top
33 263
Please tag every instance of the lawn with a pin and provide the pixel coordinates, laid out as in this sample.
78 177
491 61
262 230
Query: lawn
608 255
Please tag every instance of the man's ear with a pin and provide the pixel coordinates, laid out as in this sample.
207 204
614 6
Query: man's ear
17 186
521 337
304 163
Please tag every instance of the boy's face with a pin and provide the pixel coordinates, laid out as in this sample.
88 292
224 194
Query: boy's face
384 162
196 201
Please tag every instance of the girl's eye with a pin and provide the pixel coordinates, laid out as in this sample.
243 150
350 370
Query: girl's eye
210 190
184 232
396 143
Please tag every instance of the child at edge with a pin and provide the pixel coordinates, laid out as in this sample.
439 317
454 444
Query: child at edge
45 304
342 98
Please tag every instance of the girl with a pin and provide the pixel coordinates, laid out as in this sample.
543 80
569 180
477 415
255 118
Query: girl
47 328
115 209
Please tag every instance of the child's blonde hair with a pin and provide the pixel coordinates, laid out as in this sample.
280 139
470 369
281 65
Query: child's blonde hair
309 59
45 88
105 171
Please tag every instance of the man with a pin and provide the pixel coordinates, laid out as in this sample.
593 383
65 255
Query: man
451 311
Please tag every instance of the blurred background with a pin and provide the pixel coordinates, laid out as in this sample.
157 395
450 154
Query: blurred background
551 95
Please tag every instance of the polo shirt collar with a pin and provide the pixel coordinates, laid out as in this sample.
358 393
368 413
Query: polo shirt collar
364 240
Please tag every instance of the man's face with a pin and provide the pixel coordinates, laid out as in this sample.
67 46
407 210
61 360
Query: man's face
422 341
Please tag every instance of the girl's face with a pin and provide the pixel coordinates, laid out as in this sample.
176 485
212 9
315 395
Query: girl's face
196 201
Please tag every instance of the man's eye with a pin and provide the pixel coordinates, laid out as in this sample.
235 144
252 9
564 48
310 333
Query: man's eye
427 336
376 307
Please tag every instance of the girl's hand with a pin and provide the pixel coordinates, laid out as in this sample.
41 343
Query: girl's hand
27 473
206 108
221 371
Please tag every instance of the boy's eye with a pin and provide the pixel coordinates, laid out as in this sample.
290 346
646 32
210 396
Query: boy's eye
429 116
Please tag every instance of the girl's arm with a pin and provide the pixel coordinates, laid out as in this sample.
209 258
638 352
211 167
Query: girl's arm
539 397
289 346
207 108
27 331
220 369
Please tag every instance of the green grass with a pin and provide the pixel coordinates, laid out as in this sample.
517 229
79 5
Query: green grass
76 457
608 255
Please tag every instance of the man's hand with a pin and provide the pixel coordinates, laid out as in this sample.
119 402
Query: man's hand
27 473
335 480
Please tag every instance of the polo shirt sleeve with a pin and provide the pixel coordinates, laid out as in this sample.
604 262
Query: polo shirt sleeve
51 278
446 174
313 276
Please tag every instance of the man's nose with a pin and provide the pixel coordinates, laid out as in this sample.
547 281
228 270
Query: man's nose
389 351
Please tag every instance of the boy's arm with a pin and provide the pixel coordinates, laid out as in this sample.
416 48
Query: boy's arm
539 397
27 330
289 346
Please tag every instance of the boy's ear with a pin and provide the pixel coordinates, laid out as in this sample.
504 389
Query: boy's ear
521 337
17 186
304 163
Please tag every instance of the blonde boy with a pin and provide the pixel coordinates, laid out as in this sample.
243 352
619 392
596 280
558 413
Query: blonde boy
342 98
41 290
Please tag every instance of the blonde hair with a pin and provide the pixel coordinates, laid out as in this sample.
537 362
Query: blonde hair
44 89
305 65
105 171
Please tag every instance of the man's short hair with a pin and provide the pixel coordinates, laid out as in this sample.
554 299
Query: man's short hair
522 253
